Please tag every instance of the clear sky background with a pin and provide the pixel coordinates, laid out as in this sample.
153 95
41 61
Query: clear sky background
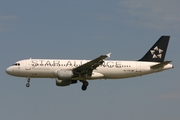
82 29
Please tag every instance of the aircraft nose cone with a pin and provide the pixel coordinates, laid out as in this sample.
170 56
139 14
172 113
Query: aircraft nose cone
8 70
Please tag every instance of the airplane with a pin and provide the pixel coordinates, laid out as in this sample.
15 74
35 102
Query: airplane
67 72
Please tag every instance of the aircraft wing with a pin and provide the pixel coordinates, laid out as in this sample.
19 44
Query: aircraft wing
87 68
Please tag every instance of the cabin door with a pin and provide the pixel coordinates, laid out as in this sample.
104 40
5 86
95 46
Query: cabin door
138 67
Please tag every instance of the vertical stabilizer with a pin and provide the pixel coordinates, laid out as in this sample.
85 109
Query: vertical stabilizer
158 50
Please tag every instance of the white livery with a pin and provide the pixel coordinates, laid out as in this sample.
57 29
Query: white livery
68 72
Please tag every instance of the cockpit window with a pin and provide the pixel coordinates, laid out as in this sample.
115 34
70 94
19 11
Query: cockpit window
16 64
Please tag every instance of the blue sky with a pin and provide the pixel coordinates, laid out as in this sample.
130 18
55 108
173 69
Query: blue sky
81 29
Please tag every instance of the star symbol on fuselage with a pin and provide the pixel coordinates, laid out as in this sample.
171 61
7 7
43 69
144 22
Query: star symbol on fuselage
156 52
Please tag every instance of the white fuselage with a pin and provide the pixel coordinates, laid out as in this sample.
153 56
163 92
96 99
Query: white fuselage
110 69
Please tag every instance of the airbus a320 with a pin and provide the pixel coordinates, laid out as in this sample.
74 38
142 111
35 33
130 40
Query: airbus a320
67 72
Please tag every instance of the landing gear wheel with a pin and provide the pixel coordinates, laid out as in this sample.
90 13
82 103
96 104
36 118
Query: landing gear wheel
85 83
28 82
84 86
27 85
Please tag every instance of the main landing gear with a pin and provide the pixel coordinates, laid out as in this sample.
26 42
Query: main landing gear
28 82
84 85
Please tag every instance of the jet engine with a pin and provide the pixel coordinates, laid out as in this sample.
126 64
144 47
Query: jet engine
64 74
62 82
65 82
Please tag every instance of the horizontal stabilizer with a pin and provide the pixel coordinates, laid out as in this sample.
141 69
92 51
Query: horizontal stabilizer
162 64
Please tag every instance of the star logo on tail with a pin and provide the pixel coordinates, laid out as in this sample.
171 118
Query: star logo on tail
156 52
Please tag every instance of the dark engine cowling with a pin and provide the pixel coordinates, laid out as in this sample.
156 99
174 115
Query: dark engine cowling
62 82
64 74
65 82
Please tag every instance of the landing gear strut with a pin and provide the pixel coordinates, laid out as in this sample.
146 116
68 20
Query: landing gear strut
28 82
84 85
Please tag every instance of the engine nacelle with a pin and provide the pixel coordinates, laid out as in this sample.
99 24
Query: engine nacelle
65 82
64 75
62 82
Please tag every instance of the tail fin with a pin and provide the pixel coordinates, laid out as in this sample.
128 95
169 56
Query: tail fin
158 50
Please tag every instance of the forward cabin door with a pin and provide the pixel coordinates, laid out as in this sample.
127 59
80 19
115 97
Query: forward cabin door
28 65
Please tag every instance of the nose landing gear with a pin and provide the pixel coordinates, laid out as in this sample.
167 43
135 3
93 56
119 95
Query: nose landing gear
28 82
